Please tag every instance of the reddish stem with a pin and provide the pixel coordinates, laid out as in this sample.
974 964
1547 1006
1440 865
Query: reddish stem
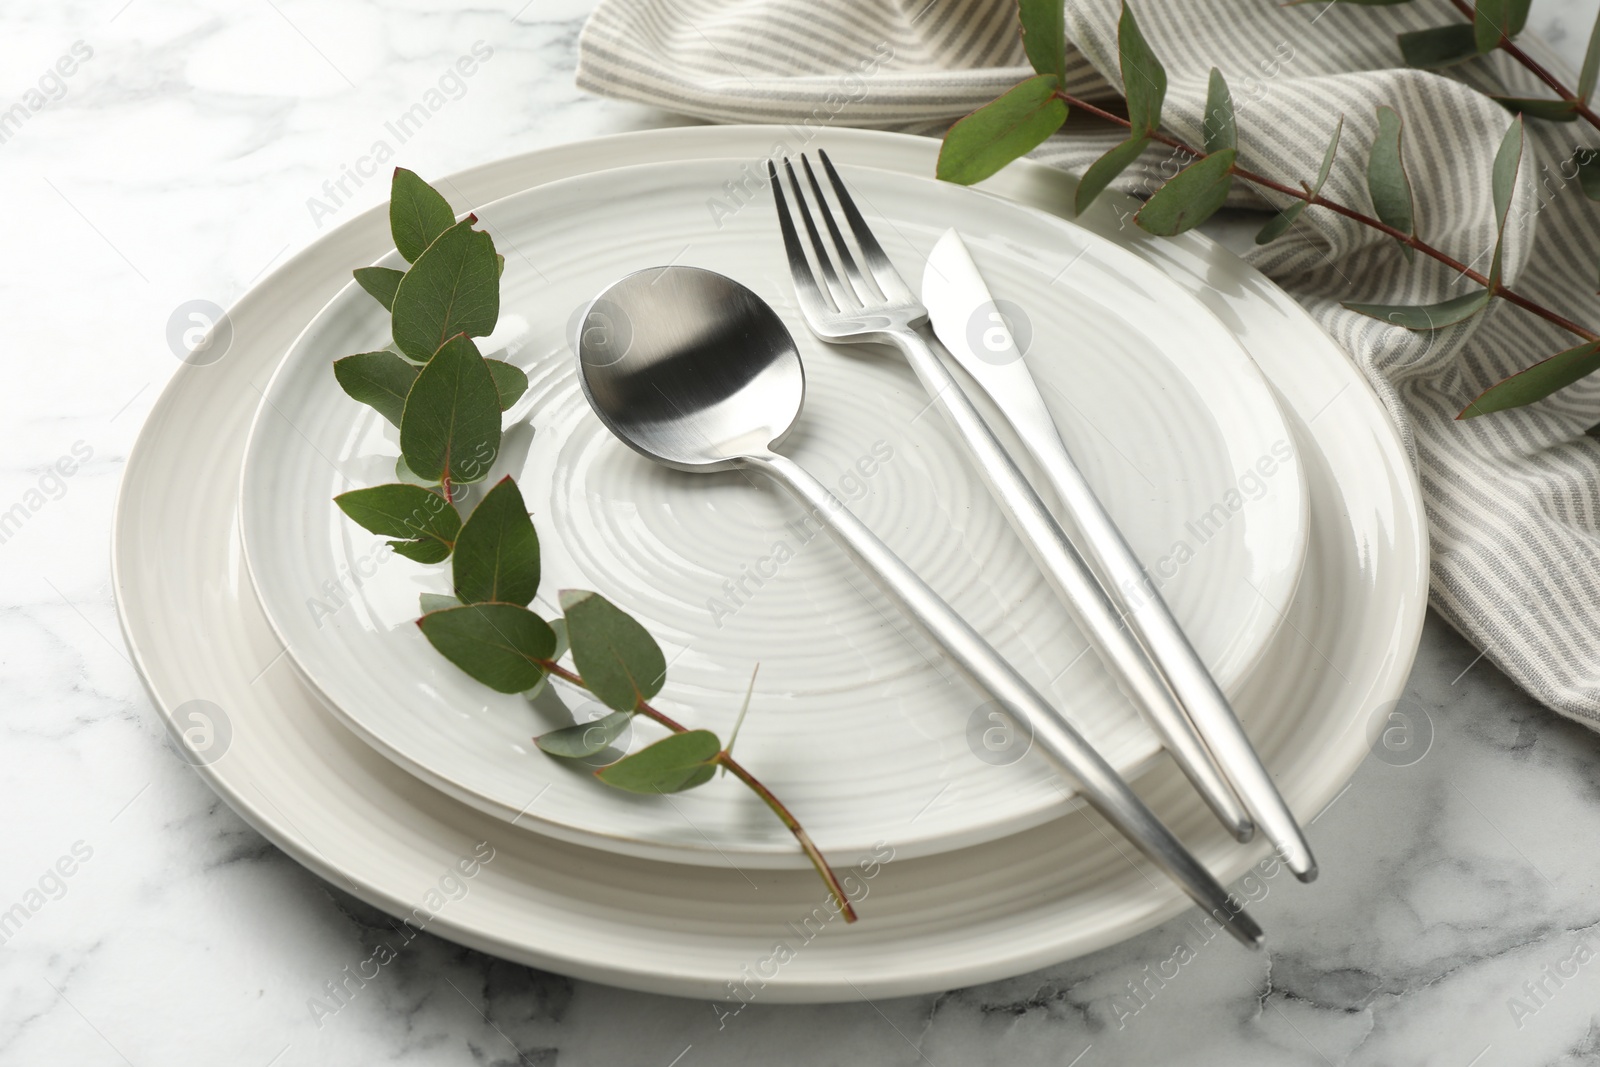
739 771
1409 240
1537 69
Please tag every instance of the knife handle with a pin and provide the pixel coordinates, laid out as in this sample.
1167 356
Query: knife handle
1119 649
1172 652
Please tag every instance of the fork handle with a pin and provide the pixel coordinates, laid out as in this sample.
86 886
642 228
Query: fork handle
1054 735
1119 648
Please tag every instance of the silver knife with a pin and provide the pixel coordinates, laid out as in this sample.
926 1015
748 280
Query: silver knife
1196 722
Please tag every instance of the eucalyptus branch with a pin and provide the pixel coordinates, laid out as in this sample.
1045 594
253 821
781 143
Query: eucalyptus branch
1510 47
724 758
1410 240
446 399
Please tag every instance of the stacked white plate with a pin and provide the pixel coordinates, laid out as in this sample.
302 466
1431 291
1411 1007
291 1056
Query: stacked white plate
1253 470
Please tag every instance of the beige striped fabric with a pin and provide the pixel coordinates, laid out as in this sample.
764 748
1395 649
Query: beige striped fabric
1513 499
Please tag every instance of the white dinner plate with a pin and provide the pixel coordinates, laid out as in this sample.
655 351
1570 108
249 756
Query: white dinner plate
856 721
197 634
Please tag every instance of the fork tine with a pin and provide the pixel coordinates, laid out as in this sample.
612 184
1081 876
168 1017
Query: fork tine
812 301
846 261
843 295
878 262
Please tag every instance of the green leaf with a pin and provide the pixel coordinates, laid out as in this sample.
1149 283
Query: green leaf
585 739
380 380
422 551
509 381
1427 316
1044 35
1439 47
562 645
671 765
1587 163
619 661
381 282
452 288
1104 170
1280 225
499 645
1539 107
497 552
1219 127
1144 80
1503 183
417 214
400 510
405 474
1494 19
450 429
1538 381
1591 64
1193 195
1386 175
438 602
1002 130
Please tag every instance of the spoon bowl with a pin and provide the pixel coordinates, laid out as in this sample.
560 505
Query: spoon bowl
690 368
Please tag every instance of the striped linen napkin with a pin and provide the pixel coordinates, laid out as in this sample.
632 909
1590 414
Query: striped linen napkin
1513 499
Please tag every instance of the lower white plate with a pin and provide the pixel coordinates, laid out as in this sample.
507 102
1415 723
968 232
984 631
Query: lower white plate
197 634
856 721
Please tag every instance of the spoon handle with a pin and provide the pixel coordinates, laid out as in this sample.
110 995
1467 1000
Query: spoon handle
1055 736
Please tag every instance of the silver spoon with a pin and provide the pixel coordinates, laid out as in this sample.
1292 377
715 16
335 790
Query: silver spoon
695 371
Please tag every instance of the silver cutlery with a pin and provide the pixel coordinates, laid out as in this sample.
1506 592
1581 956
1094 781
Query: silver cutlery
850 308
699 373
954 291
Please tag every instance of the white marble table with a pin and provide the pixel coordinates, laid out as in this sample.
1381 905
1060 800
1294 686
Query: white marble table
193 146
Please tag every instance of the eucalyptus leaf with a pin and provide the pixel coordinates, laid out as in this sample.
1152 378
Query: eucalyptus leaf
1386 175
1439 47
422 551
497 551
1507 160
417 214
562 644
380 380
438 602
1586 161
1144 79
500 645
380 282
1002 130
1538 381
585 739
1103 171
452 288
400 510
1427 316
403 473
671 765
1493 20
1591 64
1044 35
1540 107
1220 132
619 661
1285 218
509 382
1193 195
450 429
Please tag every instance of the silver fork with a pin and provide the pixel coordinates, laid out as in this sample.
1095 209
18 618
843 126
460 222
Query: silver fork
849 308
854 310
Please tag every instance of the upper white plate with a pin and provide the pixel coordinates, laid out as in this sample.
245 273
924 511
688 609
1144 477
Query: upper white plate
856 721
196 633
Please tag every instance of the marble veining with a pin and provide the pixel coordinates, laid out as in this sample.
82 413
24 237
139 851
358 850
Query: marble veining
199 144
